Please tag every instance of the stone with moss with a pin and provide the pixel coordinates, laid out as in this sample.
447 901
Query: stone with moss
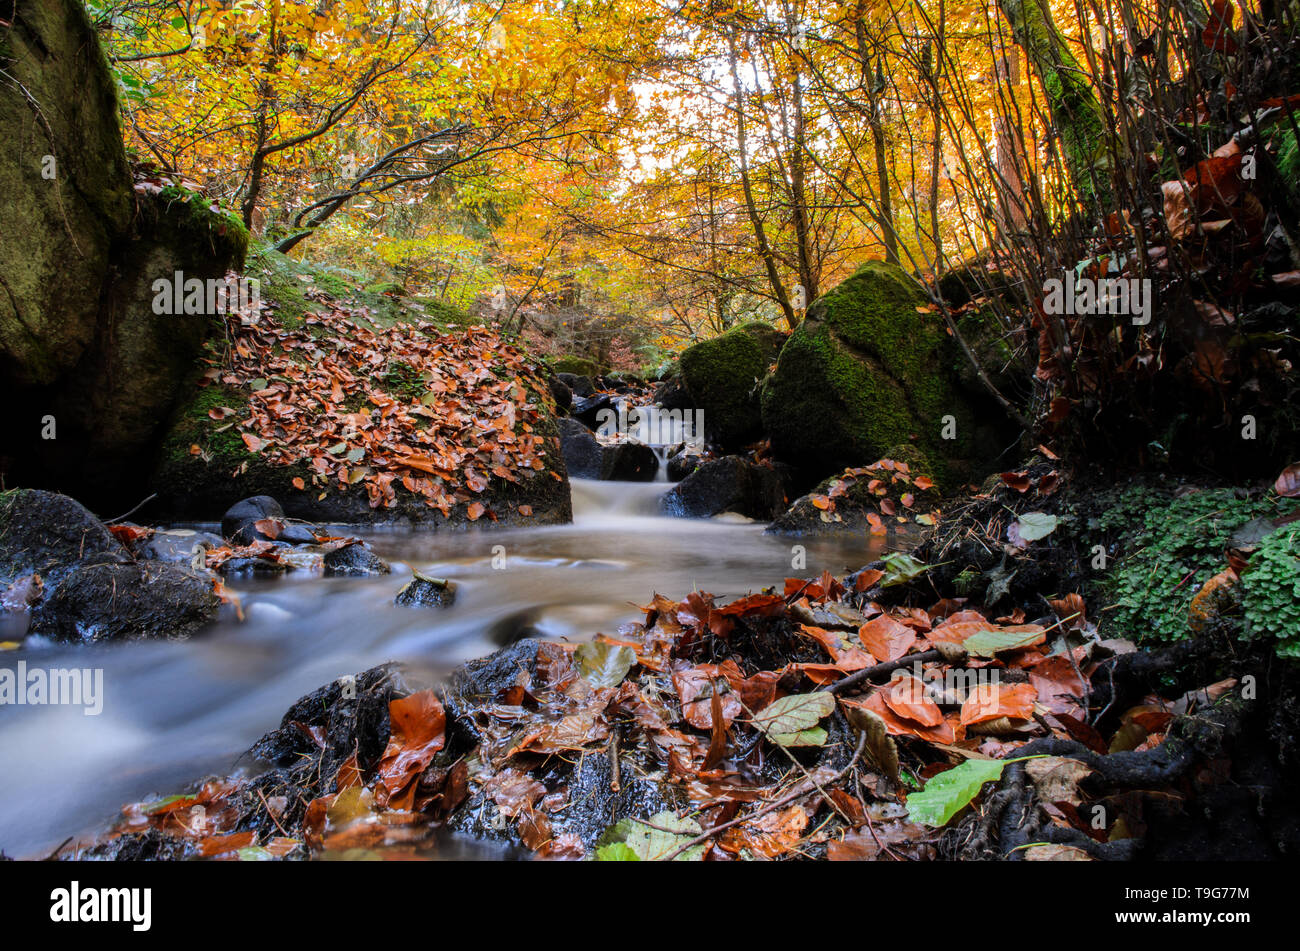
868 370
81 343
722 376
578 366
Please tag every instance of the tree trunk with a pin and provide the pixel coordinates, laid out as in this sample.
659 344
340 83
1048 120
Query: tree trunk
1076 111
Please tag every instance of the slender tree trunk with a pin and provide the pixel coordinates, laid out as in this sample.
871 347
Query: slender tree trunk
873 85
760 234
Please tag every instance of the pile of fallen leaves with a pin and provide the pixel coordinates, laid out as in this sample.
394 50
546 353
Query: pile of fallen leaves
462 411
885 493
816 722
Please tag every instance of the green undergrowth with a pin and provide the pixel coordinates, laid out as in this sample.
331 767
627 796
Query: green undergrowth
1168 548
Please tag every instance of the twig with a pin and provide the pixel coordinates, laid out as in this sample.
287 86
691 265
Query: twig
771 807
140 505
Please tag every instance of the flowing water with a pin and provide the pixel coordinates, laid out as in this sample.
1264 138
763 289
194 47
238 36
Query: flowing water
174 712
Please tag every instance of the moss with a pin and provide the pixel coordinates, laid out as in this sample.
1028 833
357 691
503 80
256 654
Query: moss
405 381
199 219
722 377
192 426
1167 549
864 372
578 366
1270 591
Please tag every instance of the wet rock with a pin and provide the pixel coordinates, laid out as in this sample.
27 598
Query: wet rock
255 565
239 522
479 682
355 560
629 462
107 602
179 546
298 533
586 457
582 451
729 484
683 463
316 736
587 409
580 386
425 592
45 533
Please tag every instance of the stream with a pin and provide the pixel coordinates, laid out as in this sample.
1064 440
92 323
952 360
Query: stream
174 712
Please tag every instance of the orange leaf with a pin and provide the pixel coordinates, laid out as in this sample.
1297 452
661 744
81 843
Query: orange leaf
885 638
416 733
995 700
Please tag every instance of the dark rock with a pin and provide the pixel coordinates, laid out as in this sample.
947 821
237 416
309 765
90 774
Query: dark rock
480 681
729 484
582 451
560 392
683 463
587 410
586 457
578 385
356 560
79 340
46 533
238 522
298 533
672 393
424 592
255 565
105 602
180 546
629 462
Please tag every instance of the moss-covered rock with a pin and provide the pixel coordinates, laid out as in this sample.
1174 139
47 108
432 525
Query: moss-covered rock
88 369
867 370
578 366
722 376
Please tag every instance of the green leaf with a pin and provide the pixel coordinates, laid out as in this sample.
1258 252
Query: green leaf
814 737
647 841
337 448
356 455
951 791
1036 525
794 714
900 568
603 664
988 643
254 853
616 852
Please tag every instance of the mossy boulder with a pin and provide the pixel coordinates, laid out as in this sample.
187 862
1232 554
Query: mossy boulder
578 366
88 369
868 369
722 377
